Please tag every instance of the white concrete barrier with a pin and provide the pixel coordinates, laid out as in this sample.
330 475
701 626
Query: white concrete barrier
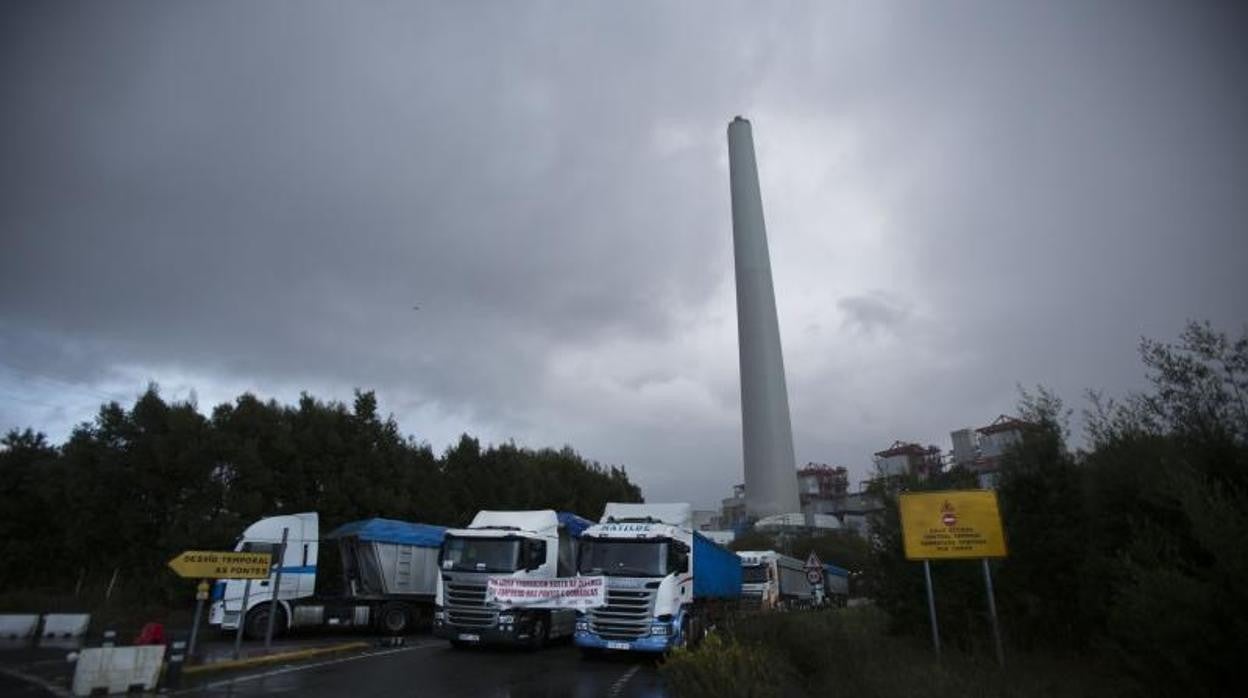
14 626
117 669
58 628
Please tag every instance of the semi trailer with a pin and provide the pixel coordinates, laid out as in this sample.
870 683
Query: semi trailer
666 584
382 574
773 581
835 586
528 545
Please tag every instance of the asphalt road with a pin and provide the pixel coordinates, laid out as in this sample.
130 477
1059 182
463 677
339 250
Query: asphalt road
429 667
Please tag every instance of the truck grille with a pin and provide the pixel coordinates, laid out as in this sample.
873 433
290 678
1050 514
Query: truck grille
626 615
751 600
465 605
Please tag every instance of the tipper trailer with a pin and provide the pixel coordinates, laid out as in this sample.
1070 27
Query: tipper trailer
386 577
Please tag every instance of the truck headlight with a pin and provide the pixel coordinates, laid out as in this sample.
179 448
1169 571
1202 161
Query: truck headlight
582 626
658 629
439 614
506 619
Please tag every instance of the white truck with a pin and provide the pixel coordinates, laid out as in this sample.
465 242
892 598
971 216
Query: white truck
520 544
773 581
382 575
666 584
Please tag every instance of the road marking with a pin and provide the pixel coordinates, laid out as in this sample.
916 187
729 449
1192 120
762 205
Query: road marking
303 667
618 686
277 658
41 683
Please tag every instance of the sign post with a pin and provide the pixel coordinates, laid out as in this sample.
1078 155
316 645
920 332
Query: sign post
242 620
814 575
201 594
953 525
992 612
212 564
931 605
277 585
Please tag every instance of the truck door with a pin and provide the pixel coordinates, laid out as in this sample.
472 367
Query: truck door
307 550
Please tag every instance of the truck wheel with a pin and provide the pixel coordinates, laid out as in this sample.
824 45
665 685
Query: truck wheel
394 619
537 638
693 631
257 623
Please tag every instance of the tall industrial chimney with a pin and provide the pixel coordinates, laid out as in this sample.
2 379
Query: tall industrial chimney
767 435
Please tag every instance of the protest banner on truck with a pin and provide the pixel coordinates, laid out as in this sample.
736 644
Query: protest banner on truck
566 592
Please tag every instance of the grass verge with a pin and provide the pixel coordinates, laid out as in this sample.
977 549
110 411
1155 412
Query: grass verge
849 653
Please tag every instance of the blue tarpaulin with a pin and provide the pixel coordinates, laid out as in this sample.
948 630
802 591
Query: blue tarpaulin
835 571
716 570
575 524
391 531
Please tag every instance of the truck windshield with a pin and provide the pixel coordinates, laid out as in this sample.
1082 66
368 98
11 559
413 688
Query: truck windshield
481 554
753 574
623 558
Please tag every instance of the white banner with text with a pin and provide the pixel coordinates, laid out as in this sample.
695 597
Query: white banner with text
566 592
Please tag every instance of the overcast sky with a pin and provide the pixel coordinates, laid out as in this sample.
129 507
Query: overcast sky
960 197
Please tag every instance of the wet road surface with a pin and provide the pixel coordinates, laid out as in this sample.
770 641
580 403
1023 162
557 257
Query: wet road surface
429 667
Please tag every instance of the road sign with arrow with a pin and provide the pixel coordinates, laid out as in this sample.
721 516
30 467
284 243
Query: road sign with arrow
208 564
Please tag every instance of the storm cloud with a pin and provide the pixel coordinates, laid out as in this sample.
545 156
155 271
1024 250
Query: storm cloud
513 219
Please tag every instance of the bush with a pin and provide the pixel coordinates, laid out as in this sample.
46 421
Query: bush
849 653
721 666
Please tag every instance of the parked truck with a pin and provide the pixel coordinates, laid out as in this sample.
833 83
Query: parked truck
666 584
771 581
835 586
382 575
519 544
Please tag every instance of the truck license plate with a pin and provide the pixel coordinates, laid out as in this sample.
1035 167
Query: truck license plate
469 637
617 645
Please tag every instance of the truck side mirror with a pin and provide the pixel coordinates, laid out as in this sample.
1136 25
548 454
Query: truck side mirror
677 557
534 554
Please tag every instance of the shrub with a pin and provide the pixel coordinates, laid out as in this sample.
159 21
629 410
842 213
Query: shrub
721 666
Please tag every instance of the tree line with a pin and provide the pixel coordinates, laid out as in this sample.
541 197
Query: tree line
1134 550
136 486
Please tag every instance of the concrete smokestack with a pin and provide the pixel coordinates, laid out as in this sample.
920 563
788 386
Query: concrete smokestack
767 435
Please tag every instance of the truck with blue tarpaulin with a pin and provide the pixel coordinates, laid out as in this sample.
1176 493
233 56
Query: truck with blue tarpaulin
835 585
666 583
382 574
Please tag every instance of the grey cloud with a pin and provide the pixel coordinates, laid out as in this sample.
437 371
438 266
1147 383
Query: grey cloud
257 195
874 311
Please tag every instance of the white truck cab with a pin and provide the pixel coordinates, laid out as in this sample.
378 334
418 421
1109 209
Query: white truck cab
522 544
298 567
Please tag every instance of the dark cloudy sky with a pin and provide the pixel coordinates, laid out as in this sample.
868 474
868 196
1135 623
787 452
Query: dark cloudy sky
960 196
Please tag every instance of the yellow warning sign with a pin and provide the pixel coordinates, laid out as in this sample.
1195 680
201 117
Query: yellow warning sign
951 524
208 564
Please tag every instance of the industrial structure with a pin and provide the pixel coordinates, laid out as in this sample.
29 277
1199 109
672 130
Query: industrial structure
980 450
827 503
767 434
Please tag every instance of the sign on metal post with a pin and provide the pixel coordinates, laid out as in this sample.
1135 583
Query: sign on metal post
953 525
211 564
